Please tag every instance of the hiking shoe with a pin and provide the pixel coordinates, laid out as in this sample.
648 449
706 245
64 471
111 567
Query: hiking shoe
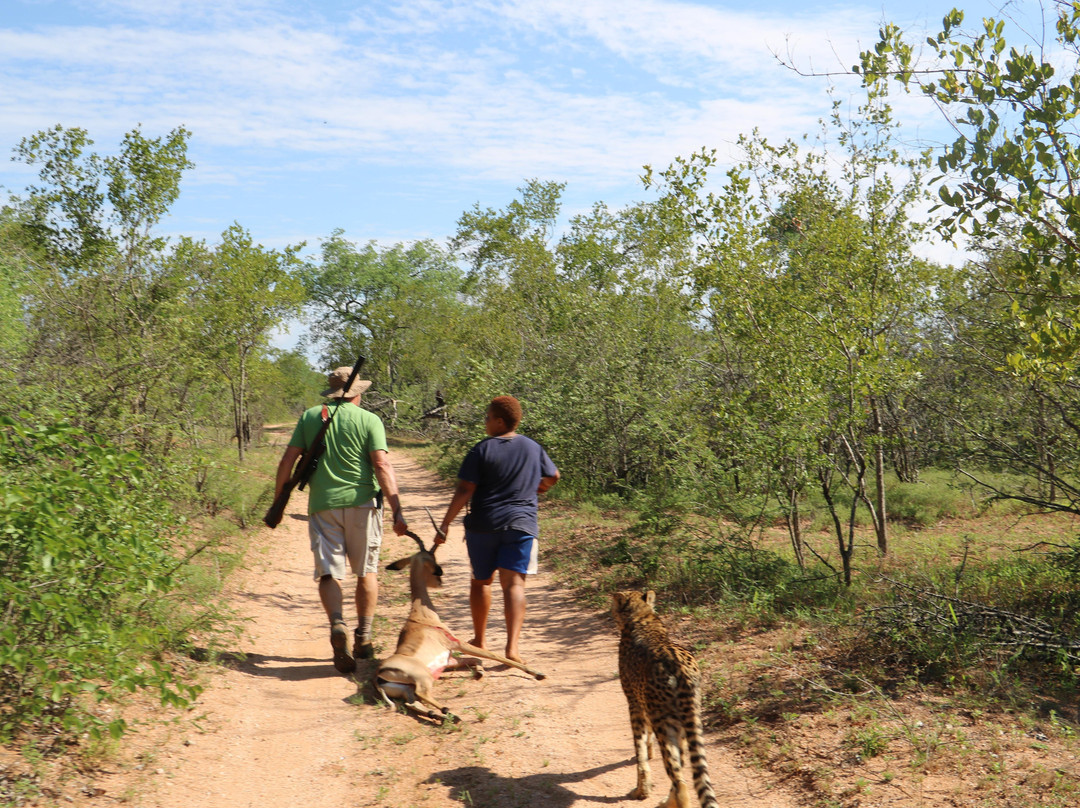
364 650
339 641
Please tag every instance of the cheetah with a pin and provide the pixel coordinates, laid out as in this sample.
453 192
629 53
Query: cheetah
661 681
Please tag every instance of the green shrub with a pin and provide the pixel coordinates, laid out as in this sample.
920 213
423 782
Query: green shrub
715 565
933 498
85 540
242 492
1003 614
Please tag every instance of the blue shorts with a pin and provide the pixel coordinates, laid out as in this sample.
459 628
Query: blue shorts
511 550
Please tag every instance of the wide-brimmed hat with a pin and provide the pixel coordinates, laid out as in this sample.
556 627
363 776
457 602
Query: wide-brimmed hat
337 379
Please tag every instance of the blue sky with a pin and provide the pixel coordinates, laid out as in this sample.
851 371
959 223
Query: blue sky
389 119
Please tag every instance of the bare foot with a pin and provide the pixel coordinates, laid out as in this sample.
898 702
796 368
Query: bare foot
514 656
477 644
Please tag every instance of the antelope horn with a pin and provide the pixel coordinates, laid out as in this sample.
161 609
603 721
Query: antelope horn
416 539
434 524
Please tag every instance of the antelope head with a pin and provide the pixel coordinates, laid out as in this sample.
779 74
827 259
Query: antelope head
422 562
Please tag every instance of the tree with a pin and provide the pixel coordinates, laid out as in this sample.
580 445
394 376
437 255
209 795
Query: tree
512 289
293 384
400 307
13 277
242 292
592 331
812 292
100 302
1011 172
1009 183
613 383
986 419
81 224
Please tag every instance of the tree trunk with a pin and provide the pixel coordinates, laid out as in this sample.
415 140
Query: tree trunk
847 548
794 528
904 450
880 522
1043 439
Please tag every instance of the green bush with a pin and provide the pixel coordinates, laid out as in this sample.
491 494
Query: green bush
1007 614
85 540
701 566
934 498
242 492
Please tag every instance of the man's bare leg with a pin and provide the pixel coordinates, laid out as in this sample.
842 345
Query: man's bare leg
513 587
367 595
331 597
480 605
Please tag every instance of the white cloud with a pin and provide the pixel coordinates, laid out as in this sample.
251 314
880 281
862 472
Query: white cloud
431 101
385 97
671 39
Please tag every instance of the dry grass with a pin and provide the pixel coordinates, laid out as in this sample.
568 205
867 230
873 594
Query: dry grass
806 699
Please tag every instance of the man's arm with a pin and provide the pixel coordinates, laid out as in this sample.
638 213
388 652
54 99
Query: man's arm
462 494
285 468
547 482
384 473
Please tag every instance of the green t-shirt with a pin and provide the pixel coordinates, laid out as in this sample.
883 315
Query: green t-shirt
345 477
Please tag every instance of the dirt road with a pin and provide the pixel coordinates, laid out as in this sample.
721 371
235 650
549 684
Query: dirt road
282 728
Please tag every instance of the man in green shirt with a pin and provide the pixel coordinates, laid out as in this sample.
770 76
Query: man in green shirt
345 496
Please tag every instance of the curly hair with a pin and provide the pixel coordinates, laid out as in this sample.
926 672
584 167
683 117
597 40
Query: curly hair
508 408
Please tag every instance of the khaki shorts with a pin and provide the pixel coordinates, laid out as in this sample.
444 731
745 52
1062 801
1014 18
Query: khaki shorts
346 533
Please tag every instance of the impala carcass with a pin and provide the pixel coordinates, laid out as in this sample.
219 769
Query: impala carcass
426 647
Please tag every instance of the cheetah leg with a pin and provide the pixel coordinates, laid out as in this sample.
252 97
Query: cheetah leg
642 751
671 742
678 797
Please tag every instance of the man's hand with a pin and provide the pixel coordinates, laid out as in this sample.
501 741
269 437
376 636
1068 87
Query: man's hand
401 527
285 468
463 492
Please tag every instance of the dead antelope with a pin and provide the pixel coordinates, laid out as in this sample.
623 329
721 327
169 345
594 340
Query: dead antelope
425 646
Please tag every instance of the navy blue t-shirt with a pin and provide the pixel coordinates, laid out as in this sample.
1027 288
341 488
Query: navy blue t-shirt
506 472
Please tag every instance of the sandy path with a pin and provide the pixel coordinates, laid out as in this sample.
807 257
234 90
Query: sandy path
283 728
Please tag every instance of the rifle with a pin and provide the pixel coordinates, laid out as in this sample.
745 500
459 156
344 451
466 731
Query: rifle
309 461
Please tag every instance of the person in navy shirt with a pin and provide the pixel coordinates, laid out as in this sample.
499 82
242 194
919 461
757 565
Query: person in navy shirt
501 479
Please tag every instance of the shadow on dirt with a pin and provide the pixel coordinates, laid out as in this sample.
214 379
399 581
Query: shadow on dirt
473 785
283 600
292 669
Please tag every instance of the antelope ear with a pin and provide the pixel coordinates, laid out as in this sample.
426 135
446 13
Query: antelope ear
650 598
400 564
